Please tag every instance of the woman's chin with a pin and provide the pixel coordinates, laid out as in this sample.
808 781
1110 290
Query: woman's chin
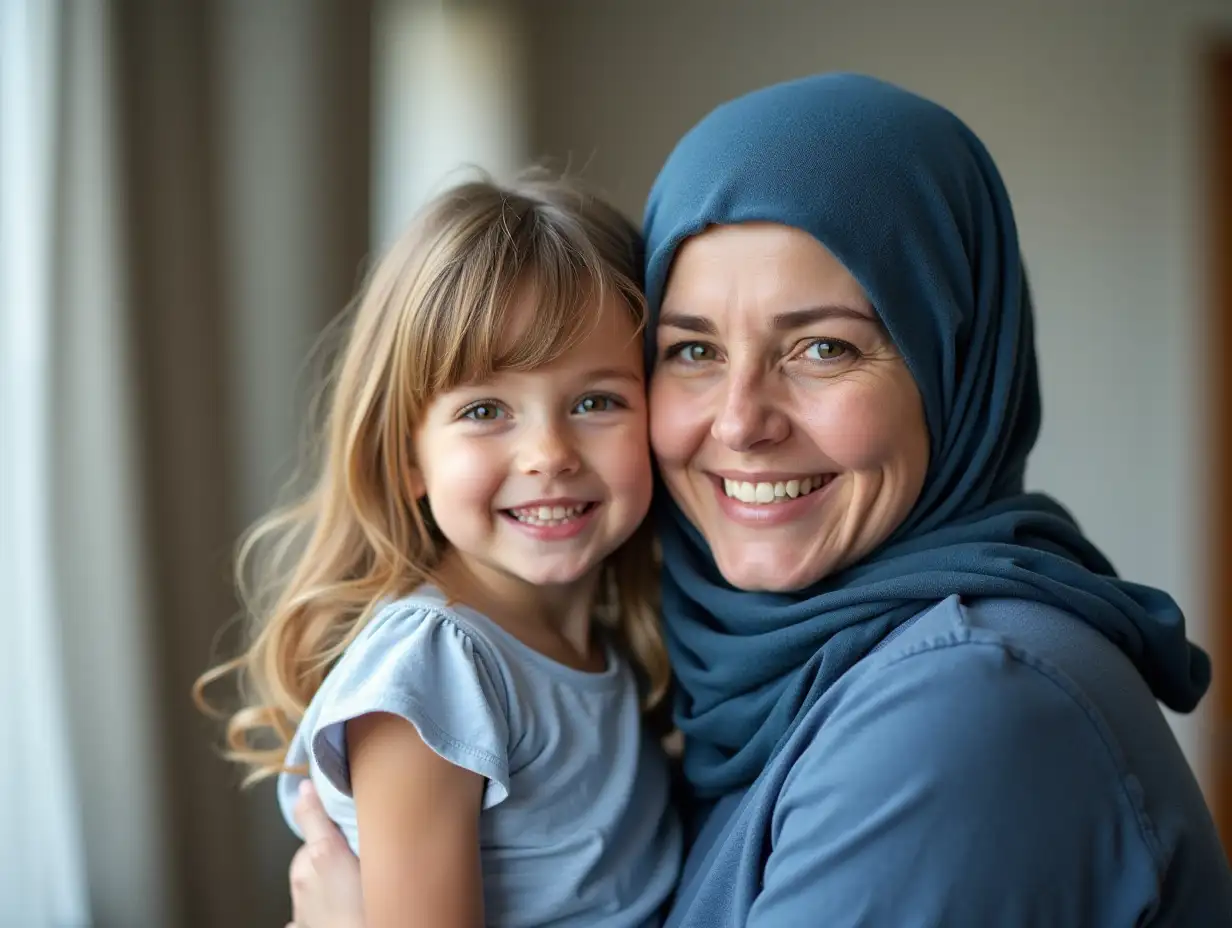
771 569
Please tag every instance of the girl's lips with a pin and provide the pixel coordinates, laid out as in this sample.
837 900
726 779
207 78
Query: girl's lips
554 531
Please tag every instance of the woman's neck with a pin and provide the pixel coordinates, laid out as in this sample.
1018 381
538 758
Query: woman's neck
524 609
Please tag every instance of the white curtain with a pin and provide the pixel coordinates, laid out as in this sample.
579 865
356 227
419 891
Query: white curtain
41 872
78 794
450 93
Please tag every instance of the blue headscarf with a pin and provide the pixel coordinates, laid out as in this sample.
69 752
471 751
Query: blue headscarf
908 199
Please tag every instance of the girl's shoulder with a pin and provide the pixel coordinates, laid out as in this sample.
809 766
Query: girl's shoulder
420 643
425 611
427 635
419 660
509 654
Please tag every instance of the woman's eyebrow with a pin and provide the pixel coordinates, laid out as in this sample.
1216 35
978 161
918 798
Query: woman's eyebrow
793 319
798 318
699 324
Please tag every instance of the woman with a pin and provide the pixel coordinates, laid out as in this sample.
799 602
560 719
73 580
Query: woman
911 694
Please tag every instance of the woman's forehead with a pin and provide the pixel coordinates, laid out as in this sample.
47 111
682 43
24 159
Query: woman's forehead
775 266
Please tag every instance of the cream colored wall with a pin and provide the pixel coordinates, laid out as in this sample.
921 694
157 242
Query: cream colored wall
1092 112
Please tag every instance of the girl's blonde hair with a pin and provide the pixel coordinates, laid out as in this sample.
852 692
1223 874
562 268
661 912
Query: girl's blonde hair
431 316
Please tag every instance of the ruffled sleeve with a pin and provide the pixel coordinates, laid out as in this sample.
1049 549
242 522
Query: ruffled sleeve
422 665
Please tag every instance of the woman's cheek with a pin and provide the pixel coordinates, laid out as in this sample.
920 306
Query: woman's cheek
673 422
856 425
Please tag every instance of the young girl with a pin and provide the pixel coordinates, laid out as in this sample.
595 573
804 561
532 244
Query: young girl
462 645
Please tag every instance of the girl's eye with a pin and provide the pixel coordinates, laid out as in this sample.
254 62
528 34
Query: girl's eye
826 349
692 352
483 412
596 403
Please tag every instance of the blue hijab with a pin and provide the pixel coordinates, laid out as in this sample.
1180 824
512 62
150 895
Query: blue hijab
908 199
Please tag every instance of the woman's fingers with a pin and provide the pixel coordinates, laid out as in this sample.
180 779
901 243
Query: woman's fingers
324 874
302 871
310 814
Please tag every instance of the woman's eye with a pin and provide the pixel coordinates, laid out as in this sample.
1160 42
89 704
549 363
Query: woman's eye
483 412
596 403
692 352
826 349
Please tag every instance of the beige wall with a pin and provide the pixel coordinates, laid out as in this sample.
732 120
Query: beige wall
1091 110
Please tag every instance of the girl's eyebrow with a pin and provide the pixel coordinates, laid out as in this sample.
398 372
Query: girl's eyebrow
614 373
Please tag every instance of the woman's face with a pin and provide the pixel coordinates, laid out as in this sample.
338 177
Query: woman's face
785 422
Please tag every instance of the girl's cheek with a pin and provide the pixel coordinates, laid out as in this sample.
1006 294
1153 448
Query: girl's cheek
626 464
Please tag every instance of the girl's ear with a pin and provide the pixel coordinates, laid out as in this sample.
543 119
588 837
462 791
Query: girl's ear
415 484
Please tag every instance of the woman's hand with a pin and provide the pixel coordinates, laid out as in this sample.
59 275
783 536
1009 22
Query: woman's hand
325 887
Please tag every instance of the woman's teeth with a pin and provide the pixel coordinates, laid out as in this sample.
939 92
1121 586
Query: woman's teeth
774 492
549 515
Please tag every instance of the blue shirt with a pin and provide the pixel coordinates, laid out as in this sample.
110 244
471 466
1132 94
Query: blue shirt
577 827
993 764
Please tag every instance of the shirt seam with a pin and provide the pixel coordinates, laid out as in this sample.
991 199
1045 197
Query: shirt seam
488 653
412 706
493 653
1061 681
414 711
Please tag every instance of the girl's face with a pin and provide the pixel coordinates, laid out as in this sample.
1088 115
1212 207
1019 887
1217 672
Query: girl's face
785 422
535 477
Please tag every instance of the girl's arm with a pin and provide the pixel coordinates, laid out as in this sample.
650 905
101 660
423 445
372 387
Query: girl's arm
418 818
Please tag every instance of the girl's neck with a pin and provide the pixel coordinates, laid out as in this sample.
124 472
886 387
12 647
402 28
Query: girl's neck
524 609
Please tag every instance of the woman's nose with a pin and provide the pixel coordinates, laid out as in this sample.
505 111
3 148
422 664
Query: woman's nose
748 416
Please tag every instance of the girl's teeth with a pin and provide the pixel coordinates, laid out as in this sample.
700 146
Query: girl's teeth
548 515
764 492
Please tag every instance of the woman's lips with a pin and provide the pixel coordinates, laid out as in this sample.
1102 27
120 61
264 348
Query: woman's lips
781 506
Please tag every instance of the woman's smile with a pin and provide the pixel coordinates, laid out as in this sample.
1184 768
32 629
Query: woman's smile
770 502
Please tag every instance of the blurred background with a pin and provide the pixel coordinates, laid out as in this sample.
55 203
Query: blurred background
191 189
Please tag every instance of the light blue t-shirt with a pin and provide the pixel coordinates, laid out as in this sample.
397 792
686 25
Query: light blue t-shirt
576 826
